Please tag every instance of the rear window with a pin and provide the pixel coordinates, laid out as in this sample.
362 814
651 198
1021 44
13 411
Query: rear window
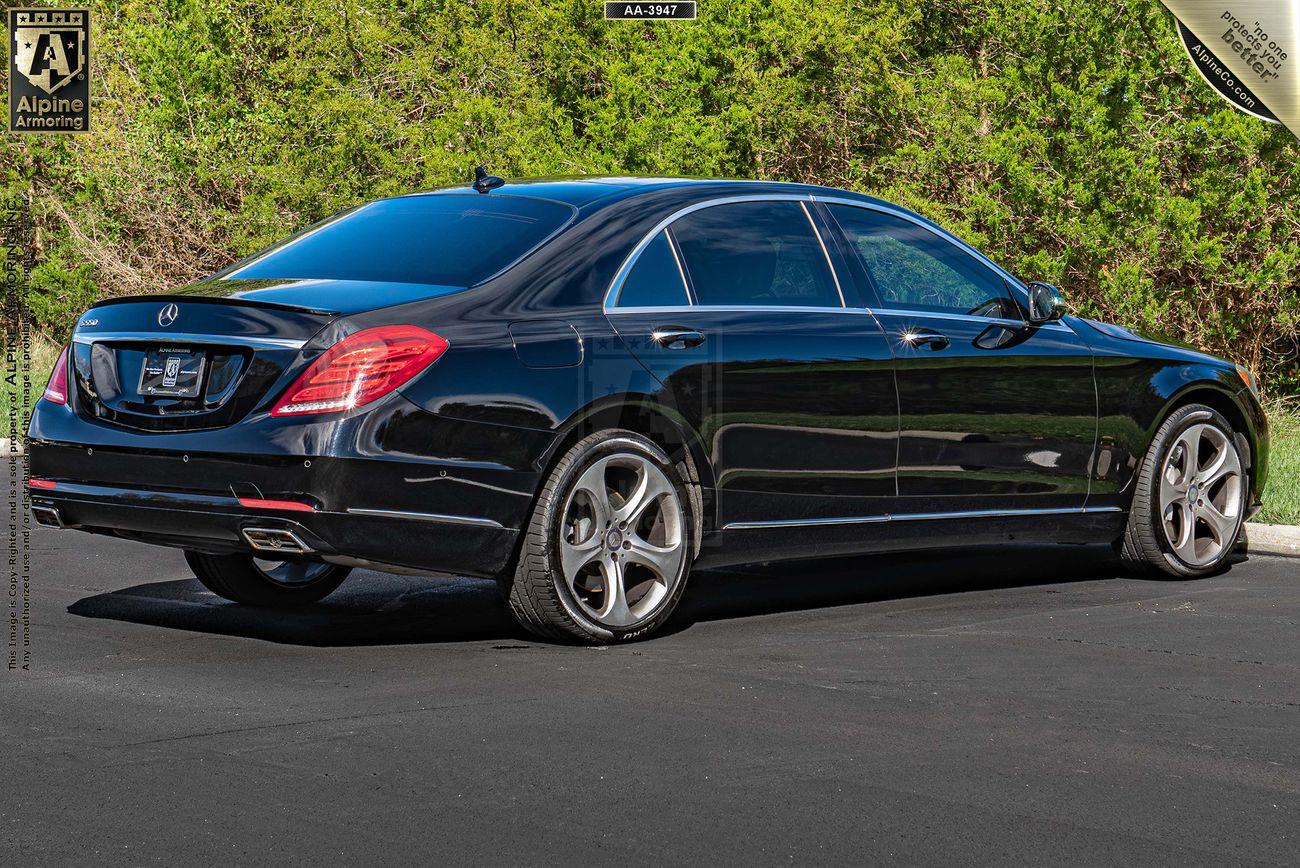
447 240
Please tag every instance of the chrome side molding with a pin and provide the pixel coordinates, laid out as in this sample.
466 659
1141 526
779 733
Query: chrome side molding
427 516
919 516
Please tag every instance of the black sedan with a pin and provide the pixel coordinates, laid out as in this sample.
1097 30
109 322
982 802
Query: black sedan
586 388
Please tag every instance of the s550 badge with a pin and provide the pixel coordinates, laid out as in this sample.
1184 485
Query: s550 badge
87 323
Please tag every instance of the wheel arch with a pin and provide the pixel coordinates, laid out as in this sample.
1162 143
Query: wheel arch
1213 394
663 426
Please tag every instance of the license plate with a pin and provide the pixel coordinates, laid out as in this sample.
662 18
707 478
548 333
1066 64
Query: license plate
176 373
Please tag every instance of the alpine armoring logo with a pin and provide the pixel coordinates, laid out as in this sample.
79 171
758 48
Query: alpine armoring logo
49 70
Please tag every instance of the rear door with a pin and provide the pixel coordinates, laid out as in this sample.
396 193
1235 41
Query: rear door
735 308
995 414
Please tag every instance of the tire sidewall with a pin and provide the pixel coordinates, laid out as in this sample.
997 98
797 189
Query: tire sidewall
619 442
1185 419
327 576
237 578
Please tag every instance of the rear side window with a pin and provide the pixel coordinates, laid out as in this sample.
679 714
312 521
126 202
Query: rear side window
451 240
655 280
912 267
755 254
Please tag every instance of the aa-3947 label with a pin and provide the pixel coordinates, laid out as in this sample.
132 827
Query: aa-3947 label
684 11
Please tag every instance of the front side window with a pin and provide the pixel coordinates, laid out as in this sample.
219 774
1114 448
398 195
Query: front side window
911 267
451 240
755 254
655 280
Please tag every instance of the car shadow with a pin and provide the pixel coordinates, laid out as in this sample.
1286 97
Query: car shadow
382 609
768 589
368 609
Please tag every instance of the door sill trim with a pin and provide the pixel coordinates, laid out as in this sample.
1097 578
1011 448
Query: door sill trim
919 516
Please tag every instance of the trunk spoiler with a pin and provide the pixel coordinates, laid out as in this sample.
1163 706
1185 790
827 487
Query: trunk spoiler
209 299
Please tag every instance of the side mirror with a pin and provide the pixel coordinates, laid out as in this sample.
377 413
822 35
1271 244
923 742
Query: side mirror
1046 303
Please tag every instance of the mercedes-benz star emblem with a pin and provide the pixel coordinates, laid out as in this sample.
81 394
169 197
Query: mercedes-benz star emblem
168 315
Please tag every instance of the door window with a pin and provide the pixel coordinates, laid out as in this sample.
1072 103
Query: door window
911 267
655 280
755 254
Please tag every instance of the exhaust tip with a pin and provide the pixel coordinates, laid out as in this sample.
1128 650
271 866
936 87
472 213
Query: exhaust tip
47 516
273 539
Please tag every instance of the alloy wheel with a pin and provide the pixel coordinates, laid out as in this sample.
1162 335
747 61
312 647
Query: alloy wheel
622 540
1201 494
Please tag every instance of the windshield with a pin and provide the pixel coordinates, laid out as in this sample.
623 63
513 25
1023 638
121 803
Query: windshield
452 240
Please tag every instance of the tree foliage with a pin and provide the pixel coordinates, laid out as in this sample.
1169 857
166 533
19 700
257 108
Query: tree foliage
1069 139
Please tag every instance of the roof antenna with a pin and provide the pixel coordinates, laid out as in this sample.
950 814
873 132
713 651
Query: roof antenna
483 182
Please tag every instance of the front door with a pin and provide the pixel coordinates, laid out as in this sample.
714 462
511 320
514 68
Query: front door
735 309
995 414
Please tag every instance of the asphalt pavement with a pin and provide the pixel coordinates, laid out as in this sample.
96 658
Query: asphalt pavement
983 707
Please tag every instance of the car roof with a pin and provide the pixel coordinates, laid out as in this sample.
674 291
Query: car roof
581 191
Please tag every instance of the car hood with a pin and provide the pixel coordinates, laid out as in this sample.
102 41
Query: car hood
342 297
1165 347
1123 333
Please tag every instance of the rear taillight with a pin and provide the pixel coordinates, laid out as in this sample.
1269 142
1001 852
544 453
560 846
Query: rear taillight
56 390
361 368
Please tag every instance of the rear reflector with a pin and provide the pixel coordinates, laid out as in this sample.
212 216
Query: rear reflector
361 368
56 390
286 505
42 483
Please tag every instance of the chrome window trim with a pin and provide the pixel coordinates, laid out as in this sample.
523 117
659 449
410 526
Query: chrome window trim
743 308
920 516
189 338
620 276
945 235
830 266
681 269
858 311
610 302
938 230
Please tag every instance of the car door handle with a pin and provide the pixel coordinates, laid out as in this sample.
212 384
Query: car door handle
676 338
925 338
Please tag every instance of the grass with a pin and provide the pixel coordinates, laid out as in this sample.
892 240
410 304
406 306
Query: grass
1281 497
1282 493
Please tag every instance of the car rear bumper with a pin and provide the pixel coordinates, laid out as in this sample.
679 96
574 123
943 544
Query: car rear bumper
229 524
393 485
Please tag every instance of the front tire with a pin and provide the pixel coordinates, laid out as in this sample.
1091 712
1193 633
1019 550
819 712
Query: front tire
272 584
1190 501
606 553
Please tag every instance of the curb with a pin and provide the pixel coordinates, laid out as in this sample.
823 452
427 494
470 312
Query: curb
1273 539
5 445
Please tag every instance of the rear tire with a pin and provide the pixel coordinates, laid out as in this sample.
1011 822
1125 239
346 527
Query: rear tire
1189 505
609 545
243 579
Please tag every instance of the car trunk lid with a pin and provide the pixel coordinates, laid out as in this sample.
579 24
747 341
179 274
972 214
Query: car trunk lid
206 356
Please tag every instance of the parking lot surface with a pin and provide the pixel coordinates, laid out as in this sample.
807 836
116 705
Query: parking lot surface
987 706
